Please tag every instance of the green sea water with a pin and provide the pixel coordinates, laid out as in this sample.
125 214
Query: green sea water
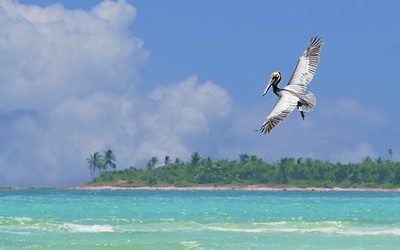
68 219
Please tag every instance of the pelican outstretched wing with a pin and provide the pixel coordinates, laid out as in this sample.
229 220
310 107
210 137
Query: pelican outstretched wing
286 103
306 66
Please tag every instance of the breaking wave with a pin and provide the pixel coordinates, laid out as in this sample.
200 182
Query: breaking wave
322 227
302 227
79 228
25 225
190 244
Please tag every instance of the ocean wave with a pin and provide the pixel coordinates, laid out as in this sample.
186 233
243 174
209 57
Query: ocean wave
26 225
23 219
274 223
393 231
190 244
327 230
79 228
20 225
301 227
322 227
14 220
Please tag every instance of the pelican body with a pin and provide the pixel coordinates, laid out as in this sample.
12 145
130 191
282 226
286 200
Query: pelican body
294 94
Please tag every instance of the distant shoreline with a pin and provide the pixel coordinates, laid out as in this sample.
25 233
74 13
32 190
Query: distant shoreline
222 188
209 188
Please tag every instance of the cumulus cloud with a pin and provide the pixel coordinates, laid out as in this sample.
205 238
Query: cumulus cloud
180 114
119 14
50 54
67 84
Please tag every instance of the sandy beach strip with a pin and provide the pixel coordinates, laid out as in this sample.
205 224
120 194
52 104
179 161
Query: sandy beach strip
245 188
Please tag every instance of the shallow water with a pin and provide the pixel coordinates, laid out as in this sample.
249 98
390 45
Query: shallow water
142 219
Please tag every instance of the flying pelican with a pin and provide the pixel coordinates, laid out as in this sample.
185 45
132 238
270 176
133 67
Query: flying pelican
294 95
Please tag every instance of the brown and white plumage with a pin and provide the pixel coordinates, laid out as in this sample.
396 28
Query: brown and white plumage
286 104
307 65
294 95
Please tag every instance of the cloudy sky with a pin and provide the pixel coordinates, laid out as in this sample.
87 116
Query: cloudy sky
163 78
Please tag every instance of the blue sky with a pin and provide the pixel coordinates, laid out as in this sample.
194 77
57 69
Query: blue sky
172 77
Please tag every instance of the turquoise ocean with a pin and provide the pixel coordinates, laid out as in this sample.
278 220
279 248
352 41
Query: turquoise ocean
145 219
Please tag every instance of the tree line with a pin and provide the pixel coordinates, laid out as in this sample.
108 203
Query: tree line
252 170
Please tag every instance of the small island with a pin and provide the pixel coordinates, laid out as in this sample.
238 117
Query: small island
249 172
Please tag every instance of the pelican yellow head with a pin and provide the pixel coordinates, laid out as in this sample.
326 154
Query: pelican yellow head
275 78
276 74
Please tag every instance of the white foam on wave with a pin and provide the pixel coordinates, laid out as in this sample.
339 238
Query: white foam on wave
18 220
322 227
190 244
20 233
274 230
23 219
240 230
300 227
361 232
87 228
274 223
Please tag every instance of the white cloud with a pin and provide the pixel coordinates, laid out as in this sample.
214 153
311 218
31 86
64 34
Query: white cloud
95 121
117 13
50 54
76 71
67 83
189 102
180 113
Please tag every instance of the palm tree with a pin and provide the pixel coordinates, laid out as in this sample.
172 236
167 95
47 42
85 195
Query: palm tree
167 161
100 165
390 153
91 164
95 163
152 162
178 160
195 158
109 159
244 158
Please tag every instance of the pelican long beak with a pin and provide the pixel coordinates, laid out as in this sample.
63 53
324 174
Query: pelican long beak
271 81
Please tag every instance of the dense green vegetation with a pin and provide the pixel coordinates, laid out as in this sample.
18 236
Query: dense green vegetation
251 170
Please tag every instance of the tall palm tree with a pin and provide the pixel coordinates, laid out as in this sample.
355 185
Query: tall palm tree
94 163
152 162
91 164
109 159
390 152
167 161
